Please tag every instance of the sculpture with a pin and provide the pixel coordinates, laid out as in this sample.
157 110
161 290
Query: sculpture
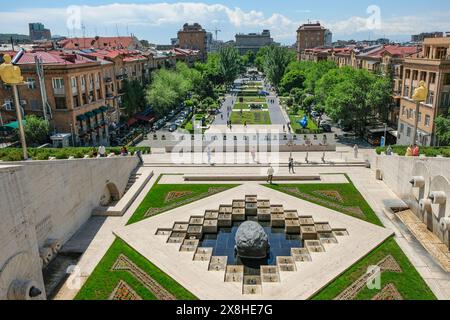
251 241
421 92
9 73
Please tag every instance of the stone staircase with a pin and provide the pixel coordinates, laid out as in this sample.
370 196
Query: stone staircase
133 177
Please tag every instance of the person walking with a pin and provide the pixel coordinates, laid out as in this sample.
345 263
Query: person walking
139 155
291 165
415 150
102 151
208 152
253 153
355 151
270 173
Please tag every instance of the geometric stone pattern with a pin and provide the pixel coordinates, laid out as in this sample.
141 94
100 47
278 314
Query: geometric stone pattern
314 235
356 211
389 292
330 194
172 195
124 264
155 211
386 264
124 292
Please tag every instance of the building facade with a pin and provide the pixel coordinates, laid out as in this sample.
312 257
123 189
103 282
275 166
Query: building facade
311 35
193 37
39 32
253 41
432 65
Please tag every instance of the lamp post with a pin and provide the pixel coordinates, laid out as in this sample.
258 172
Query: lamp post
11 75
420 95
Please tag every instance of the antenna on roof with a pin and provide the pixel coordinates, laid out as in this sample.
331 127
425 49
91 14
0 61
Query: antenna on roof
117 29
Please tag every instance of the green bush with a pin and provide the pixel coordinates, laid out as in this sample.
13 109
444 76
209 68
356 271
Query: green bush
427 151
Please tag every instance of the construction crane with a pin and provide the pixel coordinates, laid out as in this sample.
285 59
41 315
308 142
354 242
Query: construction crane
216 31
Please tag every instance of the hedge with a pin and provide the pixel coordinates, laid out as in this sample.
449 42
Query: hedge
427 151
15 154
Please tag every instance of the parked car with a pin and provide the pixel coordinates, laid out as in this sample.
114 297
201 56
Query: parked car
173 127
346 126
326 127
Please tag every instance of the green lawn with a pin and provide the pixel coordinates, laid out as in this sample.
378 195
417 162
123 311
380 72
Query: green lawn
251 117
102 282
349 193
409 283
253 99
296 126
246 105
157 202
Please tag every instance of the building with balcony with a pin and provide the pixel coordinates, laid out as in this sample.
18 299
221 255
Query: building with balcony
253 41
75 91
432 65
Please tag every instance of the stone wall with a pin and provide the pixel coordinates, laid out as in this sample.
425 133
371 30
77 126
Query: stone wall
43 203
414 180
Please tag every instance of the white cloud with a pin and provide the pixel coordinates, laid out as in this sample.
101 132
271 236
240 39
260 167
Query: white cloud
149 17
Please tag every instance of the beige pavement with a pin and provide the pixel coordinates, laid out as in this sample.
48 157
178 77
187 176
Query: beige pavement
376 193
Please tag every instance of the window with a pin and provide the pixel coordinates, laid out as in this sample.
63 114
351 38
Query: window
9 105
73 80
430 99
447 79
60 103
445 101
58 83
432 78
403 110
420 117
406 91
408 132
83 81
402 127
34 105
427 120
31 83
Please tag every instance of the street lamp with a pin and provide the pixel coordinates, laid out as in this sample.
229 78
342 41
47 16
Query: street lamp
11 75
420 95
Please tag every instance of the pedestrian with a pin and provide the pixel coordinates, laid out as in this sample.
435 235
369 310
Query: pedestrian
284 128
355 151
253 153
208 152
389 151
102 151
291 165
245 124
270 173
415 150
139 155
94 153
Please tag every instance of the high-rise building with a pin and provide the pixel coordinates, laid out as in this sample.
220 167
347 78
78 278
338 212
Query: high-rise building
253 41
310 35
193 37
328 38
39 32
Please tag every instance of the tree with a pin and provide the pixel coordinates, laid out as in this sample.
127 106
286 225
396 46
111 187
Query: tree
133 98
293 79
248 59
36 130
229 64
380 96
168 89
275 63
443 129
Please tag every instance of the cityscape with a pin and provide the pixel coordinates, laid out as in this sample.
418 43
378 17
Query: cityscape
224 152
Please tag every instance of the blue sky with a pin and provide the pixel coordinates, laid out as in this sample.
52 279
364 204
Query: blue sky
158 21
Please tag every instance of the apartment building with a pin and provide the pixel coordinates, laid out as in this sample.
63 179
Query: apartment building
75 93
432 65
310 35
193 37
253 41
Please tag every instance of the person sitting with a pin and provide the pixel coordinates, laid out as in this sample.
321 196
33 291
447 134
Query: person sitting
409 152
415 151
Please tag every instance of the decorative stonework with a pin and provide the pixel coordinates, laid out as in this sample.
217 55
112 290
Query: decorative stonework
123 263
155 211
386 264
354 211
389 292
315 236
173 195
124 292
330 194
